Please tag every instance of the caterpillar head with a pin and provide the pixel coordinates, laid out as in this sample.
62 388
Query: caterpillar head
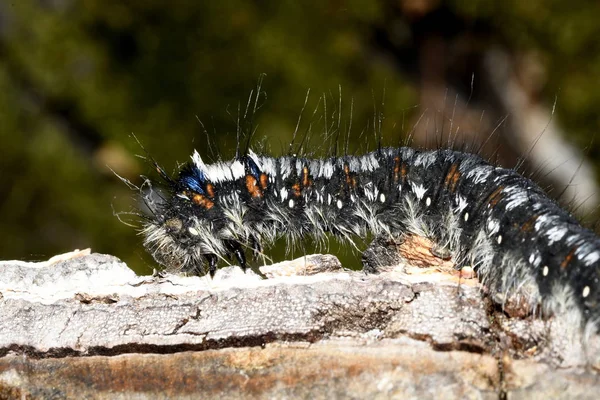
187 229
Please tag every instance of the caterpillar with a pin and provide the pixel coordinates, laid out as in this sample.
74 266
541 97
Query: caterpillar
491 218
519 241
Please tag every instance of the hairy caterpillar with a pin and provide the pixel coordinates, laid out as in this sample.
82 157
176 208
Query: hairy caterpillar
502 224
491 218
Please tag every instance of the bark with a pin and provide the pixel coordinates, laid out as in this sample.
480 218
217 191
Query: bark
87 326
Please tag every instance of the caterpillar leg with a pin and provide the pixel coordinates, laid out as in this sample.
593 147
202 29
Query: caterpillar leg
416 250
382 251
441 251
211 259
236 249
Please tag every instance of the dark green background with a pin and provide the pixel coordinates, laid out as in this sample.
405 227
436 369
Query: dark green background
78 77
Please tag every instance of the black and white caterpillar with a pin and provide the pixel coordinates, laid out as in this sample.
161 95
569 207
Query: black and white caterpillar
488 217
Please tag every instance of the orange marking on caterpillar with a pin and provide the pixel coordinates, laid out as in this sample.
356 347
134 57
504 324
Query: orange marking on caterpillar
396 169
495 197
568 258
529 224
252 186
452 178
449 175
264 180
305 177
202 201
210 190
297 190
403 171
347 173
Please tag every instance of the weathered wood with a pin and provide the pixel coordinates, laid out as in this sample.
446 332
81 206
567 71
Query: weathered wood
76 327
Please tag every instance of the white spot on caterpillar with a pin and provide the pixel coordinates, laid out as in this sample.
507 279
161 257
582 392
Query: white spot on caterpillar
544 220
587 253
425 159
197 160
285 166
354 165
466 216
516 197
499 239
591 258
541 220
299 166
368 162
329 199
327 170
370 191
572 239
374 161
462 204
237 169
182 196
535 258
269 166
419 190
480 174
314 166
555 234
493 226
217 172
382 198
339 204
255 158
399 188
291 203
545 270
428 201
193 231
352 198
586 292
284 194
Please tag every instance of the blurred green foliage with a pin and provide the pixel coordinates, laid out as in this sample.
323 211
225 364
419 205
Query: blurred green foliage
77 77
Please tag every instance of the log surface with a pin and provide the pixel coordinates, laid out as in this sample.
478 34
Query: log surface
87 326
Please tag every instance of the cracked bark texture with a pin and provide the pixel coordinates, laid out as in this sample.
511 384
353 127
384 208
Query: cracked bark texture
87 326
